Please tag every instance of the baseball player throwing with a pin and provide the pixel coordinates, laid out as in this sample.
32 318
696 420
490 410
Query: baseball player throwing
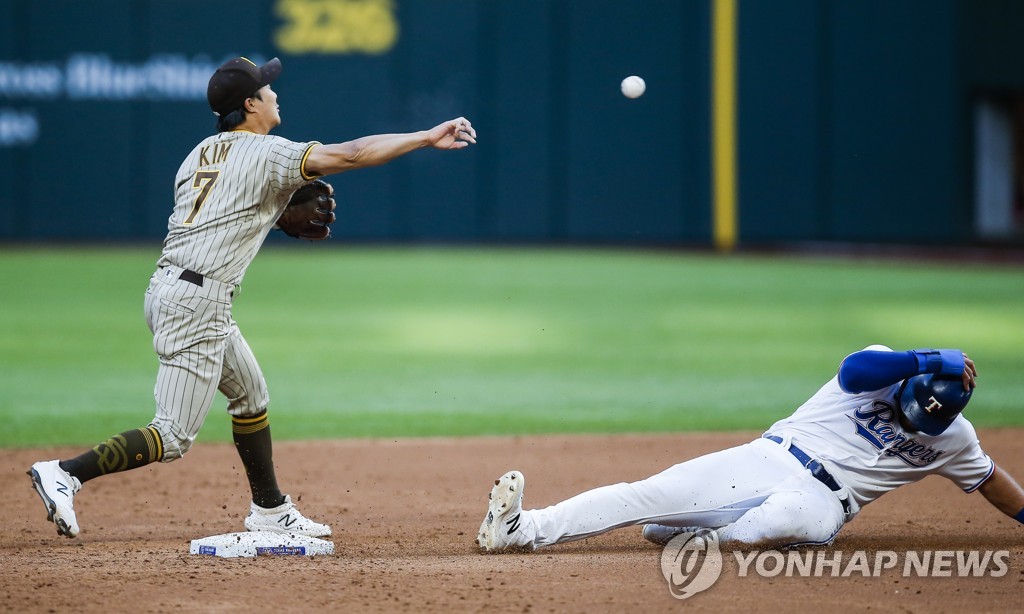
885 420
229 192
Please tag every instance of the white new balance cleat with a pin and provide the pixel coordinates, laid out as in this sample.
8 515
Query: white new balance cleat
661 534
500 528
57 489
284 518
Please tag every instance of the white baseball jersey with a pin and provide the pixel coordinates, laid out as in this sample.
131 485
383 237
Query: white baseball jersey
861 443
228 193
760 494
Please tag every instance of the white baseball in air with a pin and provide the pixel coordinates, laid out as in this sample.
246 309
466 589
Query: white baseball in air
633 87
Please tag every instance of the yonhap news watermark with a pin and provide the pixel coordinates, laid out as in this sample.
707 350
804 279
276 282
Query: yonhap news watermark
693 561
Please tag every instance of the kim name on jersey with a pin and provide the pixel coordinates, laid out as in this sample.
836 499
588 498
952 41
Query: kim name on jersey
877 425
219 154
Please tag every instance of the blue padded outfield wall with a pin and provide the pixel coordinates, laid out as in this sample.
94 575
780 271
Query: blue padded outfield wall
853 118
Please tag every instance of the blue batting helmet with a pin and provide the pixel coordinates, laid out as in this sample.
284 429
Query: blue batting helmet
931 402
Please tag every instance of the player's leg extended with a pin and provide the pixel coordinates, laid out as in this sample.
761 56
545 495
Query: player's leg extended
57 481
710 491
186 384
123 452
190 327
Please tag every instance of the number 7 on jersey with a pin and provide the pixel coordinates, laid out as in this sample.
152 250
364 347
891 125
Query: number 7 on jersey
204 183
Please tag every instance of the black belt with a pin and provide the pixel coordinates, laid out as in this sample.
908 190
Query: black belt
816 468
191 277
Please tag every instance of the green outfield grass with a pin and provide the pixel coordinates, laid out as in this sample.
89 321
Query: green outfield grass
397 342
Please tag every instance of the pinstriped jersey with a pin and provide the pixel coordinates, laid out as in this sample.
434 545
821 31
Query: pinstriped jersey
228 193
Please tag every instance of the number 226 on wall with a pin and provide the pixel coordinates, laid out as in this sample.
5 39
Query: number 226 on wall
336 26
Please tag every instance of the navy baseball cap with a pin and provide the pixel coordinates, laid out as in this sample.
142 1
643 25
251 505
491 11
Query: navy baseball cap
237 80
931 402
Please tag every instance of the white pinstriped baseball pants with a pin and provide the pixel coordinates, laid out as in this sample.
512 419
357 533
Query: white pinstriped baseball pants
755 494
201 351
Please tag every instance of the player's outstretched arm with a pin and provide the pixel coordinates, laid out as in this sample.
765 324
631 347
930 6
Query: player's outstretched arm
1004 493
380 149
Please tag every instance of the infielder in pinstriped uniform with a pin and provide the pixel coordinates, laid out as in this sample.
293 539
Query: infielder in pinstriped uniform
229 191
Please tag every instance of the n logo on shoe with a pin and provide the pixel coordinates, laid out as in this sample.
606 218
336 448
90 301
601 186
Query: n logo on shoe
515 524
287 520
62 489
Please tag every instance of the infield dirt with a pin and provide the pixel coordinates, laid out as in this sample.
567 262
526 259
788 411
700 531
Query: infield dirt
405 513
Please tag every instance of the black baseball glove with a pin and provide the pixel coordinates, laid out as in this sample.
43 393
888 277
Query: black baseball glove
309 212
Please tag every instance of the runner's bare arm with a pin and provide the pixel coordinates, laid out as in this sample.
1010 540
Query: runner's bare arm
1002 491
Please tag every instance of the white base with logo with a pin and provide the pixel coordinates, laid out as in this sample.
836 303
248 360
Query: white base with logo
260 543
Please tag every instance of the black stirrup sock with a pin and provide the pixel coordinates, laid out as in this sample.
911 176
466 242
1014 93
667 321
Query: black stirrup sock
129 450
252 440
